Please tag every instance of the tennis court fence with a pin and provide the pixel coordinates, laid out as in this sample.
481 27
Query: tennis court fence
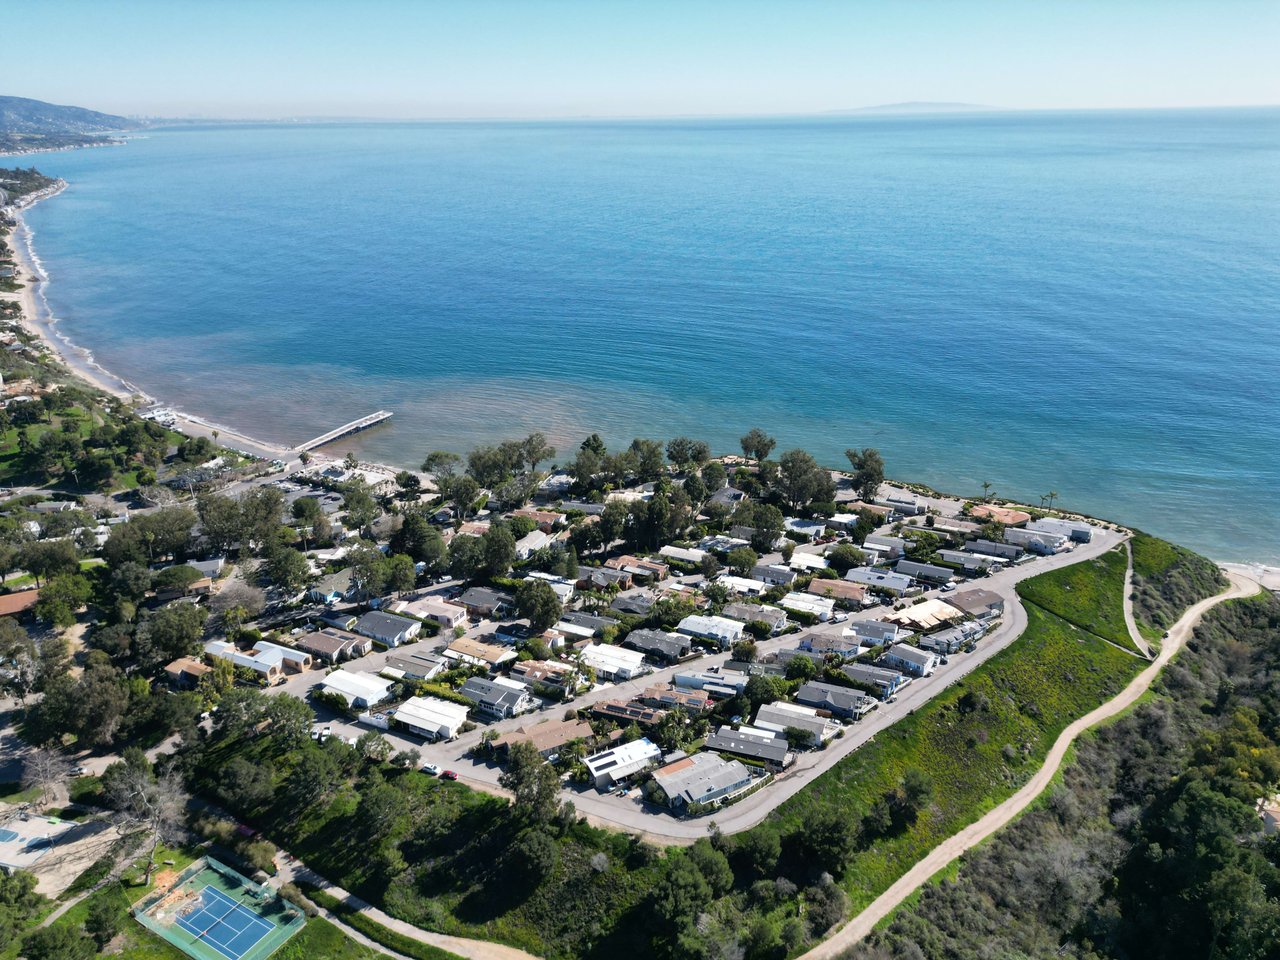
211 912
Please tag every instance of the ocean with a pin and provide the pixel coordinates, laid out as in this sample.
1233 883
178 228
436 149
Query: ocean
1087 303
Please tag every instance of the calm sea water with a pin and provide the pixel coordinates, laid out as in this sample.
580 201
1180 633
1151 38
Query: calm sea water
1087 303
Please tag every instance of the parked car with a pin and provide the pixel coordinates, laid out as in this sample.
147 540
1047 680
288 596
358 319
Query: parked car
448 775
430 769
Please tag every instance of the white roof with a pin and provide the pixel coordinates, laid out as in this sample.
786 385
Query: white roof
710 626
743 584
905 651
818 606
610 658
432 713
623 759
688 555
807 561
879 578
351 684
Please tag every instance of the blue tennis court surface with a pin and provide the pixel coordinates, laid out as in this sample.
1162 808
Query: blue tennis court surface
7 835
228 927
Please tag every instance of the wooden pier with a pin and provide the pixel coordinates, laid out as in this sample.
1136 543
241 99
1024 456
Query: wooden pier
355 426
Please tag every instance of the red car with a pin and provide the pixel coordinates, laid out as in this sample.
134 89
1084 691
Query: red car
448 775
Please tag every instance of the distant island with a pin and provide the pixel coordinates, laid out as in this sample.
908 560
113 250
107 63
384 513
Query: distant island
916 106
29 126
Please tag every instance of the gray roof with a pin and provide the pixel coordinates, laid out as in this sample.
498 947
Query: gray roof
828 696
495 696
377 624
486 597
579 619
759 746
656 642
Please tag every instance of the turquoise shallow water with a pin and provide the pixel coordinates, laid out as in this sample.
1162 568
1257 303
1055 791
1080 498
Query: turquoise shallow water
1083 302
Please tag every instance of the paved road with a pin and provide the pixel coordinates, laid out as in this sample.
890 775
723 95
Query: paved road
656 824
958 844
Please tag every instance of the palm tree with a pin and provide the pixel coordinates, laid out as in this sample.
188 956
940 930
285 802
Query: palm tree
986 490
1051 496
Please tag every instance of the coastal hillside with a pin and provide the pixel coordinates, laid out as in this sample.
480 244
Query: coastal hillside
27 125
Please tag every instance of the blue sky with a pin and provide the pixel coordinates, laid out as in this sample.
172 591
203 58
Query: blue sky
528 58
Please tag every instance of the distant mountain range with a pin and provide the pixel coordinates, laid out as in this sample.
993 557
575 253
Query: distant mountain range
917 106
27 126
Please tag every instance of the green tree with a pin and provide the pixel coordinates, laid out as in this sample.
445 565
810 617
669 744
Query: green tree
757 445
680 895
443 467
802 480
169 633
420 540
44 559
537 601
401 573
533 781
361 508
742 560
714 476
648 458
595 445
535 449
106 917
408 483
498 549
58 943
463 493
61 597
220 520
685 453
466 557
713 865
844 557
868 471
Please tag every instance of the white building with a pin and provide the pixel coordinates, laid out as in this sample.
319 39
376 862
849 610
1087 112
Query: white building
611 767
823 608
781 716
358 689
743 586
431 717
807 561
912 660
613 663
684 554
894 583
721 630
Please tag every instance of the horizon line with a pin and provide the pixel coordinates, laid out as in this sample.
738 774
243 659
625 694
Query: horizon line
871 112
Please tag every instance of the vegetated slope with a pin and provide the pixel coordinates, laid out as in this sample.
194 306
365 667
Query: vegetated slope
22 115
1089 595
1150 846
447 858
978 741
1167 579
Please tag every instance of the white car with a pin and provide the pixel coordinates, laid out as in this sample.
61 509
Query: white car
430 769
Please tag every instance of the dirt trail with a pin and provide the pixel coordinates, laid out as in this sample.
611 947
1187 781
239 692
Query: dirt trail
1139 640
972 835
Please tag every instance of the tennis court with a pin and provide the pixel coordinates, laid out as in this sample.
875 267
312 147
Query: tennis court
228 927
211 912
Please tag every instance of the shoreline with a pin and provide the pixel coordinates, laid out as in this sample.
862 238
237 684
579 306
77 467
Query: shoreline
38 319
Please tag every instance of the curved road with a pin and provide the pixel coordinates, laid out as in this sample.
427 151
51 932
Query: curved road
976 832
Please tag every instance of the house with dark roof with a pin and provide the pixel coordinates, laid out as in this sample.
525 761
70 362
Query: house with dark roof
486 602
387 628
627 712
659 645
333 645
498 698
758 745
846 702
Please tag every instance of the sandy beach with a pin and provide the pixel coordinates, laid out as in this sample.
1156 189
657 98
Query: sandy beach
38 319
